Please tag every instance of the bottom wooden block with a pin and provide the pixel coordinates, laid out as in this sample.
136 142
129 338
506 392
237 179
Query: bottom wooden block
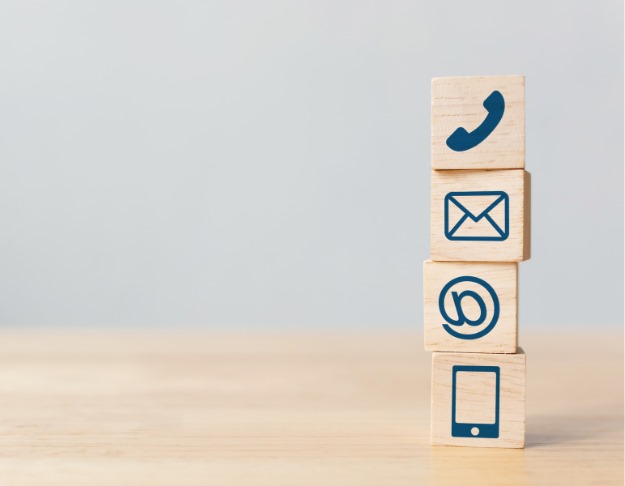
478 400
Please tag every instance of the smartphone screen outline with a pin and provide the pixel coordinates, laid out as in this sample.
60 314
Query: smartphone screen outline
474 430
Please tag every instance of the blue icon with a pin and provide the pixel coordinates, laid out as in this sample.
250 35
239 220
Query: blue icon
477 216
475 327
466 421
461 140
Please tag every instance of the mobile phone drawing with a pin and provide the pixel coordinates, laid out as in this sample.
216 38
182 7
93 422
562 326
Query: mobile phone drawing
475 401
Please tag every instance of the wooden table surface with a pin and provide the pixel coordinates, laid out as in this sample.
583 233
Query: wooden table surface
289 408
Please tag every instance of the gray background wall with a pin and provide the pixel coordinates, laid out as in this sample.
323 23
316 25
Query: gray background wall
266 164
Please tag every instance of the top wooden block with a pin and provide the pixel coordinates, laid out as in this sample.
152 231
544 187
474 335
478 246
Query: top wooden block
478 122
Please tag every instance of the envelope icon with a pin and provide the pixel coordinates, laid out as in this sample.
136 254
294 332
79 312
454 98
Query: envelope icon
477 216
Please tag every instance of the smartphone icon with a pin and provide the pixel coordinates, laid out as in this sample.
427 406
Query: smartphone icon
475 401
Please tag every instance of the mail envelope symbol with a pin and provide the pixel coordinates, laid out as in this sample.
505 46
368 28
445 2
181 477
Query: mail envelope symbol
477 216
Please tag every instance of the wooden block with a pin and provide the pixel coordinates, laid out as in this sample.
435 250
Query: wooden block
478 122
470 307
478 399
480 215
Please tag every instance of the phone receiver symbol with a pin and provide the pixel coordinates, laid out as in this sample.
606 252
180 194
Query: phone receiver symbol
461 140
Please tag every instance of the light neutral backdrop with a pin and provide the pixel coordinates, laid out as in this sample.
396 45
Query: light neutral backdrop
266 164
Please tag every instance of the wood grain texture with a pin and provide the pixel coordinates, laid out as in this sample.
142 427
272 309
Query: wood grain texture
502 277
474 398
516 247
288 408
459 102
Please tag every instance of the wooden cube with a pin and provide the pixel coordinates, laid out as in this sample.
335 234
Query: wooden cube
478 122
470 307
480 215
478 400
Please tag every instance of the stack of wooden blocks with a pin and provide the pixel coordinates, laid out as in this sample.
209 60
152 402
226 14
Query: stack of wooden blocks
480 230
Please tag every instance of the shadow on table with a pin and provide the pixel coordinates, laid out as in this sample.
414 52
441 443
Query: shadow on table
549 430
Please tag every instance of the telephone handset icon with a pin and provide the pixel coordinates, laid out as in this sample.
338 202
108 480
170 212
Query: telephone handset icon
461 140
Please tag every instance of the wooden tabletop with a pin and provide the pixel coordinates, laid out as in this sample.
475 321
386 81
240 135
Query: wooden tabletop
286 408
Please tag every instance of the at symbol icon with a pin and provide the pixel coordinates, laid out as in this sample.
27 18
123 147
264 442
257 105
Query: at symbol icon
464 296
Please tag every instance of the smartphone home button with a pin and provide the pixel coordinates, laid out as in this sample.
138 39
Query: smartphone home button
475 431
